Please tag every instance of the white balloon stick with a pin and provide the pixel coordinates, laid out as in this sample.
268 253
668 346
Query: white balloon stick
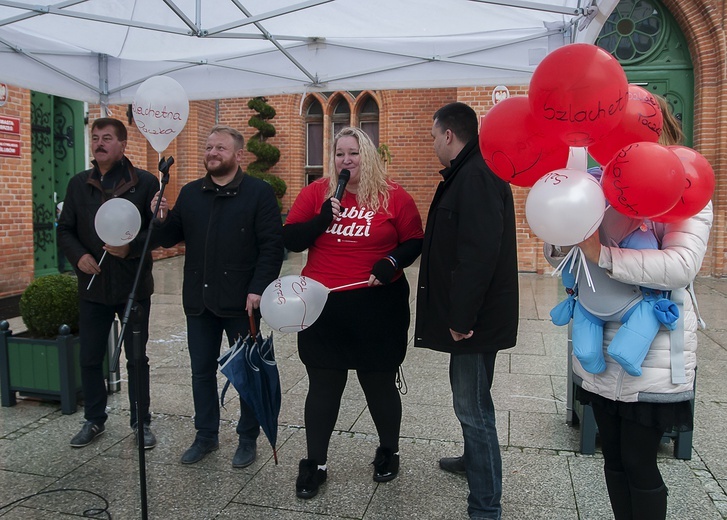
99 264
159 160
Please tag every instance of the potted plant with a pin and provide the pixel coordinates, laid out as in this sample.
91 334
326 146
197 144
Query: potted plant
44 361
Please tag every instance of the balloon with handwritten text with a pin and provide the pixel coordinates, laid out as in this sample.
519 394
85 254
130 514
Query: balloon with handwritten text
698 189
642 121
293 303
578 93
565 207
643 180
514 147
160 110
117 221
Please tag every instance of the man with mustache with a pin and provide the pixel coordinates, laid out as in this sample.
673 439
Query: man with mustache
106 296
231 226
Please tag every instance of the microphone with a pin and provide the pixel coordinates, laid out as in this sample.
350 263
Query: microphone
342 181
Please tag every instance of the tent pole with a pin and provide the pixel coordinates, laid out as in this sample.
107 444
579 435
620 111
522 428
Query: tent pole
103 83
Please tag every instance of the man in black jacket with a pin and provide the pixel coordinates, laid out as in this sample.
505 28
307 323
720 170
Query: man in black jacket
232 229
467 299
104 298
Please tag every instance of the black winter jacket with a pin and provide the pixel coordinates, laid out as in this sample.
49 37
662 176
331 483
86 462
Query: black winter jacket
77 234
468 277
234 242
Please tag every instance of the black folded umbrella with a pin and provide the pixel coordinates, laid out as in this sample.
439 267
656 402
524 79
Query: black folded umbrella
251 368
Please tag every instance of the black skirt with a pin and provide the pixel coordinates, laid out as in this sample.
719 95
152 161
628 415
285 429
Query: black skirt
363 329
666 417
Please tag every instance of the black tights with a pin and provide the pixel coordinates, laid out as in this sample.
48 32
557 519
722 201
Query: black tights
629 448
325 388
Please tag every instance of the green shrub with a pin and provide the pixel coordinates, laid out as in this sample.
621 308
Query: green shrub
266 155
49 302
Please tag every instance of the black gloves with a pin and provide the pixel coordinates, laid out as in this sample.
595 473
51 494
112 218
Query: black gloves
326 212
384 270
298 237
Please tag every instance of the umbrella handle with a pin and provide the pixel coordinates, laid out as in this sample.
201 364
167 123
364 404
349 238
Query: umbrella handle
253 328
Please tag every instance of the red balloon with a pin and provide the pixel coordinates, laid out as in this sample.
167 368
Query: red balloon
642 121
579 93
643 180
515 147
699 185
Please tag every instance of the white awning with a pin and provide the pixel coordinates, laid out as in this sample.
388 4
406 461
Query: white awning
101 50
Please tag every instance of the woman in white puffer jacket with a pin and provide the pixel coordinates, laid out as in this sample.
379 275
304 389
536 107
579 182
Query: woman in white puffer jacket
632 413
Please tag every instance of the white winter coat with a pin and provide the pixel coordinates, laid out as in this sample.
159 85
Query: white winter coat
673 267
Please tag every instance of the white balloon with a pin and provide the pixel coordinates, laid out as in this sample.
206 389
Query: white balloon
293 303
564 207
160 110
577 159
117 222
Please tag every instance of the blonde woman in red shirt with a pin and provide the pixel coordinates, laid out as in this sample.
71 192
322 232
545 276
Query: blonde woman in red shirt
358 246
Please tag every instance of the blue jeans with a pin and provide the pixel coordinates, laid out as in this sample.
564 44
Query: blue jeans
471 378
94 326
204 339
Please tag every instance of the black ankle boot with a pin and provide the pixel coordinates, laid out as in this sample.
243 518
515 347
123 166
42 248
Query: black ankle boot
649 504
619 494
309 478
386 465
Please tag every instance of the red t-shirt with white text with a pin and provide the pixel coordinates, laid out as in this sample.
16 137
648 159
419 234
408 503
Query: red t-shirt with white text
358 238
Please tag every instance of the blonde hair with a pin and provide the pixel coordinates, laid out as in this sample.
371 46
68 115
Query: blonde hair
237 138
373 188
671 130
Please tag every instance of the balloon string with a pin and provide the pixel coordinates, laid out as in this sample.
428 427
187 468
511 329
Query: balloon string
582 264
579 261
347 285
94 276
559 269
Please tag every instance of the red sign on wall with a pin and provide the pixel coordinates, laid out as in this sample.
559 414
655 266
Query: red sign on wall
10 125
9 148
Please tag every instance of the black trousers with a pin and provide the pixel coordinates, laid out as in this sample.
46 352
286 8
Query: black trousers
95 324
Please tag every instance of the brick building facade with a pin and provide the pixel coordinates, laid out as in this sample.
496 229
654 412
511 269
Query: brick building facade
405 118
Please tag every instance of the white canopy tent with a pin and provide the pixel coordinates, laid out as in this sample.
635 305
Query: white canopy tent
101 50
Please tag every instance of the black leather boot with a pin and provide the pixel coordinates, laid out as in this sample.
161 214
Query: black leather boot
309 478
386 465
619 493
649 504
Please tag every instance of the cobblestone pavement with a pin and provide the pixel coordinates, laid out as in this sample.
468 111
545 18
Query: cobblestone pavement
545 475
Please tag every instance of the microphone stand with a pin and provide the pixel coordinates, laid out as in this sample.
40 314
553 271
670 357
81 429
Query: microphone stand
133 307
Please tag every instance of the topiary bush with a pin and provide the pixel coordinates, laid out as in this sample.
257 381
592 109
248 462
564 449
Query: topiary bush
49 302
266 155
